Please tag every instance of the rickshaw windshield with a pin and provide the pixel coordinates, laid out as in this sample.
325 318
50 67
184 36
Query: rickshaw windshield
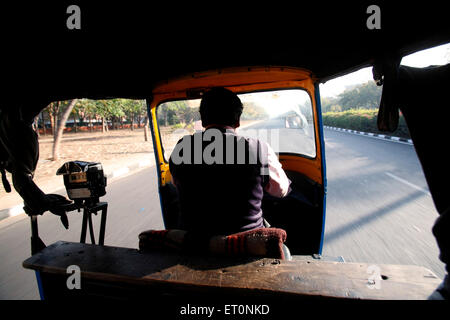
282 118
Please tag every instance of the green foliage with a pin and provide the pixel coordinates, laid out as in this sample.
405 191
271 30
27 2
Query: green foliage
253 112
365 96
133 107
176 112
362 120
357 109
178 126
111 108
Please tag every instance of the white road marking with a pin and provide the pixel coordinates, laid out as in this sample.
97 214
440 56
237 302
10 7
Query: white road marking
372 135
408 183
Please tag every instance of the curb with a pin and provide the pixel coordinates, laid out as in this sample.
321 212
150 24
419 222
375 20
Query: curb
18 209
373 135
124 170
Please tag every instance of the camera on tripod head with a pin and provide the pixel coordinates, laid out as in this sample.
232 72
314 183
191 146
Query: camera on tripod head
84 181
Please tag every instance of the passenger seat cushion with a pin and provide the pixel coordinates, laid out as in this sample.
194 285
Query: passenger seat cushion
262 242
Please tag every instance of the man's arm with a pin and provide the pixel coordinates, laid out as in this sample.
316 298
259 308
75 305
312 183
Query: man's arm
19 144
278 184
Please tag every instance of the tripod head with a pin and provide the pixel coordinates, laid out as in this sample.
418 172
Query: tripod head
85 183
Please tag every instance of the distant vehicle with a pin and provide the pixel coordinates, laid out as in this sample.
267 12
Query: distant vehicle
295 120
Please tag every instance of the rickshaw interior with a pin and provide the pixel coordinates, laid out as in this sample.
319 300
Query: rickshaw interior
291 57
280 108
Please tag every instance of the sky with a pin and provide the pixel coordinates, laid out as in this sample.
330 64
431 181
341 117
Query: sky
439 55
277 102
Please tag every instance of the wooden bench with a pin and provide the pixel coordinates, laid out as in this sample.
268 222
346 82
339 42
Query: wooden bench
113 272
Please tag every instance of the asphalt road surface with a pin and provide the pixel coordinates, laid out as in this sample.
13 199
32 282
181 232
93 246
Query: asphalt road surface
379 211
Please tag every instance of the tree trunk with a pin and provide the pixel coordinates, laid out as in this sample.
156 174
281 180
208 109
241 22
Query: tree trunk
75 127
61 125
44 124
146 128
104 125
55 119
36 125
132 122
50 117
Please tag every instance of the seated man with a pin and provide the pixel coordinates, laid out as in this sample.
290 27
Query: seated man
220 176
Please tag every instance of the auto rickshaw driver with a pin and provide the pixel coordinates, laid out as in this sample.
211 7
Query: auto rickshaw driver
224 196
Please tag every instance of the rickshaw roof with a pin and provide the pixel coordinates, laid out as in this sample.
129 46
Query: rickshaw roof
124 51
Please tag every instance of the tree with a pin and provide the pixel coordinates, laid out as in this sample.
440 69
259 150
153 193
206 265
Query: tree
102 108
74 114
115 111
253 111
365 96
79 111
175 112
143 113
61 124
53 111
330 104
132 109
87 109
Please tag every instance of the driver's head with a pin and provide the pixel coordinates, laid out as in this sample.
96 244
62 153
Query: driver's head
220 106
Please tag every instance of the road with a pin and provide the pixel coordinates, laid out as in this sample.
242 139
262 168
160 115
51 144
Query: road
378 211
133 206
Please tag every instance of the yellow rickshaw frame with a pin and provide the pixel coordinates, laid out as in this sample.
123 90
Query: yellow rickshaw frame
241 80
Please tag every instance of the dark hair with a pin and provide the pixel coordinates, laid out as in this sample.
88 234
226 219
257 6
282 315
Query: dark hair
220 106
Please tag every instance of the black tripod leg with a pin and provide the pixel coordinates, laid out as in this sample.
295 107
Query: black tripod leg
101 239
91 228
84 226
89 209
